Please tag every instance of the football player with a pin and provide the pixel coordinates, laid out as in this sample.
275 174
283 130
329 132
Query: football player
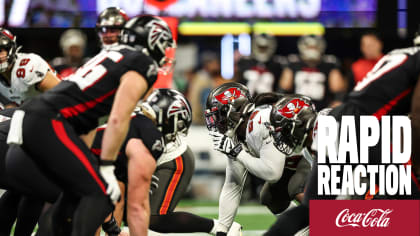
22 75
169 115
386 90
313 74
109 25
110 83
235 122
261 71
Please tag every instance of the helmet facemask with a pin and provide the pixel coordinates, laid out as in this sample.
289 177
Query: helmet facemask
217 119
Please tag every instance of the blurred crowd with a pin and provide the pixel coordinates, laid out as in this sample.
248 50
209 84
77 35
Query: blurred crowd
311 72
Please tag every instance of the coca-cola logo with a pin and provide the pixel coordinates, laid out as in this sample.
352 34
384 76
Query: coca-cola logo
375 218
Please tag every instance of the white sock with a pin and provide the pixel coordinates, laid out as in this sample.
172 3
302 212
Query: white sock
213 230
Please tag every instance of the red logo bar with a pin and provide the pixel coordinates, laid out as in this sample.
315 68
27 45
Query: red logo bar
364 217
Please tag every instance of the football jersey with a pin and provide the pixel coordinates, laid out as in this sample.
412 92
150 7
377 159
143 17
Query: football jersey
28 70
142 128
257 133
261 77
88 95
313 81
388 87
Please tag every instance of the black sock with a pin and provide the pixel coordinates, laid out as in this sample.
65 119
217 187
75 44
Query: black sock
28 214
9 202
290 222
180 222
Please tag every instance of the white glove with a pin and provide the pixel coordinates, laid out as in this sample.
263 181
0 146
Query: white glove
226 145
113 190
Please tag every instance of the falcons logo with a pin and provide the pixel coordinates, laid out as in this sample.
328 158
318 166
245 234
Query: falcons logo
229 95
293 108
157 32
179 107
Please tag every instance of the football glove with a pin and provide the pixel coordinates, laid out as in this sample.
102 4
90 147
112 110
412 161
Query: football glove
113 190
226 145
111 227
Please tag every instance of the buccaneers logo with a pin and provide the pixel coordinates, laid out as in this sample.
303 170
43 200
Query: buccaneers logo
229 95
293 108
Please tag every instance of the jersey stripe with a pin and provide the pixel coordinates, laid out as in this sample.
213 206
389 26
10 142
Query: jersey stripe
172 186
82 107
64 138
387 107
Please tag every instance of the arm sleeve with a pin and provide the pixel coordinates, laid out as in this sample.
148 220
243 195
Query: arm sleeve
230 196
269 166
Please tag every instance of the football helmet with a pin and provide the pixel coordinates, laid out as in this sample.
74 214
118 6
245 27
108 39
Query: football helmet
151 35
226 106
170 111
311 47
263 47
109 24
73 37
8 43
291 120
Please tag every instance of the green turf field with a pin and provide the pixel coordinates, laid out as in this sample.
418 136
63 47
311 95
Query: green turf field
254 218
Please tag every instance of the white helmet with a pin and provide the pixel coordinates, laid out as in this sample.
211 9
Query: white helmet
311 47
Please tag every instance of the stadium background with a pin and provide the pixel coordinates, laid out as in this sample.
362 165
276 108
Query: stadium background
39 24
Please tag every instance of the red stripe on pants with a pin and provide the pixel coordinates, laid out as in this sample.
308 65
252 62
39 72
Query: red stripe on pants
172 186
64 138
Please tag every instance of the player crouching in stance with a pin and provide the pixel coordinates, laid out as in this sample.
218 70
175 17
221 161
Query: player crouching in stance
48 127
170 117
234 121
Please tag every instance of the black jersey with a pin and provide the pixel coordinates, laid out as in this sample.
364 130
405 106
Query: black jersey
142 128
388 87
313 81
89 93
260 77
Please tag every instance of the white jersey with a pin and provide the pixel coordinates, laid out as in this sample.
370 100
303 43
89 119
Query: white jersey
257 133
261 159
172 151
28 70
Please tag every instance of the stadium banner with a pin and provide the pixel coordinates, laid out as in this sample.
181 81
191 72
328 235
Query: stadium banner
64 13
361 217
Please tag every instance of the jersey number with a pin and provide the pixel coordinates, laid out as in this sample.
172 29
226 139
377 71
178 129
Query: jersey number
251 121
20 73
386 64
91 72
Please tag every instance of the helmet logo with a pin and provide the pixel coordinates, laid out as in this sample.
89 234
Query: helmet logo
157 32
8 34
293 108
179 107
229 95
